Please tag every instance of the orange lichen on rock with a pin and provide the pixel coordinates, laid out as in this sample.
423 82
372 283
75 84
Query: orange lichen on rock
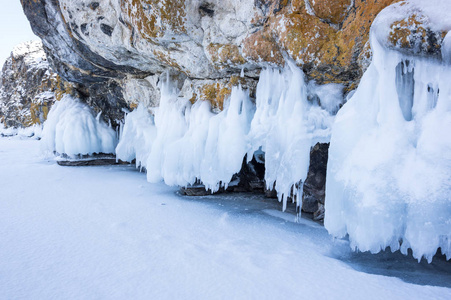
401 31
298 6
39 109
57 85
62 87
133 105
38 113
261 47
326 53
215 93
165 58
193 98
303 36
356 27
225 55
237 80
413 34
155 18
332 11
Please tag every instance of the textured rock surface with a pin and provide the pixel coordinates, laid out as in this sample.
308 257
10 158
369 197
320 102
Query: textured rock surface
96 79
315 184
413 33
97 41
28 86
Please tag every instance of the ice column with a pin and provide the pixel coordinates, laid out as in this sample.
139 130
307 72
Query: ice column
286 125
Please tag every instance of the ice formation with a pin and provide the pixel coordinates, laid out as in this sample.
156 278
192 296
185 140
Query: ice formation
389 169
188 143
72 129
34 131
285 126
138 133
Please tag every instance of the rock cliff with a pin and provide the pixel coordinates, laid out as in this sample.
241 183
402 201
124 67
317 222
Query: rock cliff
205 44
28 86
126 44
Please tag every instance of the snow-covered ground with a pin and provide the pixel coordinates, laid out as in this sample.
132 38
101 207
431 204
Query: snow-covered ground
105 233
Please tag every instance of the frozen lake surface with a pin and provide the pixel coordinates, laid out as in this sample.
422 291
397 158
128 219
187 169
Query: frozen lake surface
105 233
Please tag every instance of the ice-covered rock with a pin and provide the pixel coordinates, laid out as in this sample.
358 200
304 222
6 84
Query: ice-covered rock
136 136
389 169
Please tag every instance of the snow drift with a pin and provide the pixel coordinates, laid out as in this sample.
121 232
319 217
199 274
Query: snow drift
72 129
388 178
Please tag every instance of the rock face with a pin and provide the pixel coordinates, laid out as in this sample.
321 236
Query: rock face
28 86
206 41
206 44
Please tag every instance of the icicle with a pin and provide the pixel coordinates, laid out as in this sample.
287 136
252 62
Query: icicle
286 125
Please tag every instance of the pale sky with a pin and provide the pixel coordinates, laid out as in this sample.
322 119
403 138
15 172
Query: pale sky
14 28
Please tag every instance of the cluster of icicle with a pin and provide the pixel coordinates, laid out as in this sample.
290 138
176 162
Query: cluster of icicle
183 143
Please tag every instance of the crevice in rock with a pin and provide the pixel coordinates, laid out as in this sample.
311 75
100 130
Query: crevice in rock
107 29
93 5
206 9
